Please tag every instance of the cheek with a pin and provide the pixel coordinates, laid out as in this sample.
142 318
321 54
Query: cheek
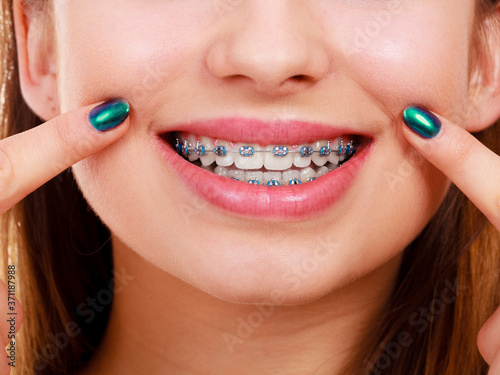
137 51
407 52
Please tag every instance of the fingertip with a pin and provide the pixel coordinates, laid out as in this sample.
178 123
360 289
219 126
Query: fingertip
487 338
481 342
109 115
421 121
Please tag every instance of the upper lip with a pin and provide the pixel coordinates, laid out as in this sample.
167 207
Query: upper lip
252 130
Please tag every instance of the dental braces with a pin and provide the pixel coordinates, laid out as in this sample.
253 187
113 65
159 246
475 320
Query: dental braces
276 182
185 148
293 181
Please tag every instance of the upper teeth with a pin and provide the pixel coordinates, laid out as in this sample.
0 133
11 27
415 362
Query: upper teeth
272 157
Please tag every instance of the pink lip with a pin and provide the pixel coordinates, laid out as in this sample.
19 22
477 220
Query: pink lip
280 202
238 129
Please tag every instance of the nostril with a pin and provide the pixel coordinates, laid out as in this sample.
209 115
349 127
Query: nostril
300 77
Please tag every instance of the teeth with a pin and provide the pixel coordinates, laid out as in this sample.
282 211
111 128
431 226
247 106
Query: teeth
256 178
223 156
237 174
303 157
290 176
209 157
272 178
322 171
334 156
307 174
191 140
340 150
271 165
221 171
332 167
323 146
245 159
208 168
277 158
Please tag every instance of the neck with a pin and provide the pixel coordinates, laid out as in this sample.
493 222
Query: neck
160 323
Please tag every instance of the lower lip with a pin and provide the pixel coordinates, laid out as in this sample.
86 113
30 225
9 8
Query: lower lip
259 201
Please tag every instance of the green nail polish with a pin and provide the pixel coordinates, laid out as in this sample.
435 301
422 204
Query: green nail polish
421 121
109 115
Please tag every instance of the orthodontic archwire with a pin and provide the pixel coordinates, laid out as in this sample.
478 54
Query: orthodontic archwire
185 148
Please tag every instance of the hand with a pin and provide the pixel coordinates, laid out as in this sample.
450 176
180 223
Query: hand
475 170
30 159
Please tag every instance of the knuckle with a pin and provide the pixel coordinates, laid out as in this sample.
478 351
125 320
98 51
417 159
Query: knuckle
75 146
62 133
464 150
65 139
487 339
481 341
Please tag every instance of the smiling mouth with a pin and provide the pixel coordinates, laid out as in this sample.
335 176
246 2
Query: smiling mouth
269 165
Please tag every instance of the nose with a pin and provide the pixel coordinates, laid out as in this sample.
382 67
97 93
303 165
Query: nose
275 46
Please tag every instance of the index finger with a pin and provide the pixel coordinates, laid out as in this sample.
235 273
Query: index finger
488 339
470 165
33 157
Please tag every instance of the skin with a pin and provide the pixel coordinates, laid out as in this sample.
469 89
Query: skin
194 278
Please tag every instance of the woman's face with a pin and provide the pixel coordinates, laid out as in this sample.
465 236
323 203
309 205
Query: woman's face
351 65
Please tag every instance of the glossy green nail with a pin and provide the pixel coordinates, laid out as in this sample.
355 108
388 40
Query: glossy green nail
109 115
421 121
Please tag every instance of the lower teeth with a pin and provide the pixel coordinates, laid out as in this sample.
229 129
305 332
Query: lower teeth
295 176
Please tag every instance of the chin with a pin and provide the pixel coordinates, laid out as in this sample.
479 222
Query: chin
270 292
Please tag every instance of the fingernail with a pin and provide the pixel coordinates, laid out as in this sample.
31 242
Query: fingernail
421 121
109 115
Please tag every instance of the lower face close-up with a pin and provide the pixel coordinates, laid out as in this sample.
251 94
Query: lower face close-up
265 136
